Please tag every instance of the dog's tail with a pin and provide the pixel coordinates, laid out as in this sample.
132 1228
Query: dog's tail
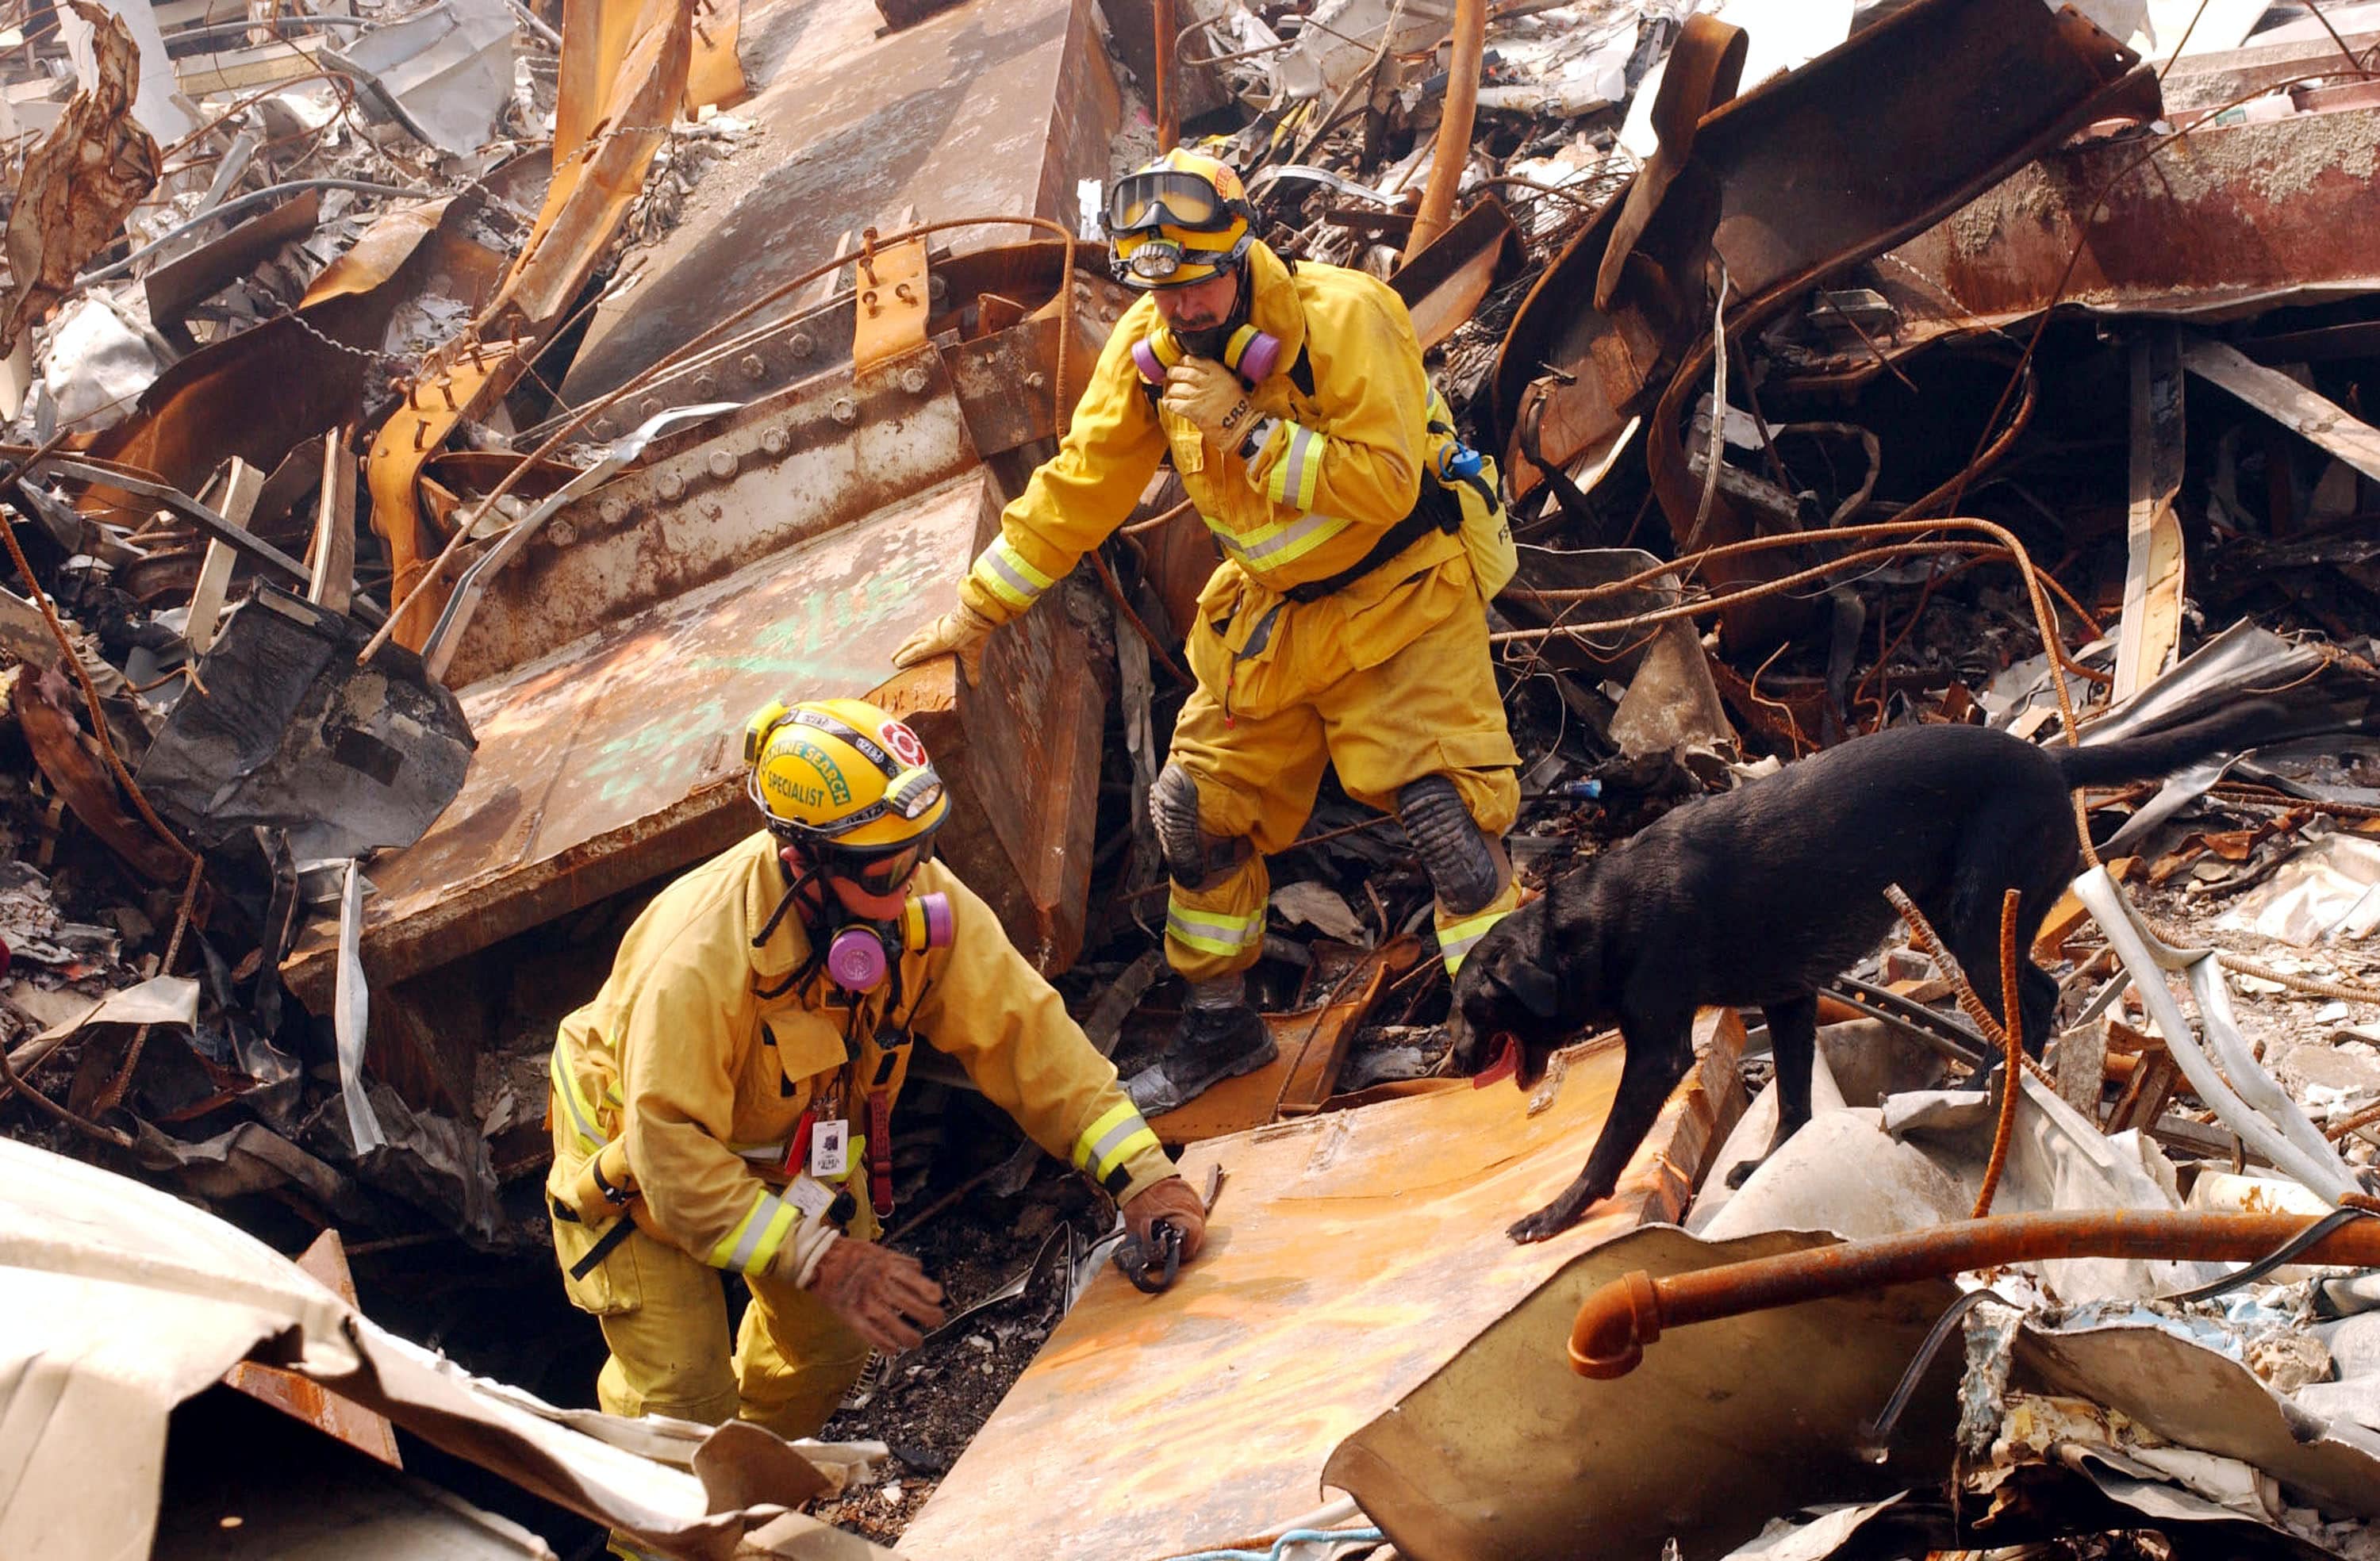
2158 753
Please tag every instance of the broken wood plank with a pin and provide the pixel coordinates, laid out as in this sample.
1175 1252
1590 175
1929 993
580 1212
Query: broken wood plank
2150 630
242 482
2082 1067
2309 414
333 557
2066 916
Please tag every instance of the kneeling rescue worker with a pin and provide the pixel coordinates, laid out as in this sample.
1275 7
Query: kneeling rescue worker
1345 623
724 1102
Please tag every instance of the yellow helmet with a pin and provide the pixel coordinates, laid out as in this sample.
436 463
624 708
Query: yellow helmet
1178 220
846 780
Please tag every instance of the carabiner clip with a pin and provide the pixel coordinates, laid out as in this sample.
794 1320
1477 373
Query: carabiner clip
1152 1273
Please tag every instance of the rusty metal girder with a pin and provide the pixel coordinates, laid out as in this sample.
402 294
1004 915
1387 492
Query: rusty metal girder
987 368
1807 174
798 461
1350 1256
715 497
617 757
2227 221
1443 285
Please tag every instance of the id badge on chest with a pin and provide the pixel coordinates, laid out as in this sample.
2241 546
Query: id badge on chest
830 1149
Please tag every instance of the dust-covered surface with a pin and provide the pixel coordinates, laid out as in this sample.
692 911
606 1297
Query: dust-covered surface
928 1404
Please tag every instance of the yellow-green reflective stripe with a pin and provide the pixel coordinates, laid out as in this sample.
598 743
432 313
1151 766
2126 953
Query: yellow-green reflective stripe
1298 473
1109 1162
565 1088
1270 547
1119 1115
748 1247
1457 938
1212 934
1002 571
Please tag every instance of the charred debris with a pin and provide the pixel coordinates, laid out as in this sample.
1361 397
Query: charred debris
433 427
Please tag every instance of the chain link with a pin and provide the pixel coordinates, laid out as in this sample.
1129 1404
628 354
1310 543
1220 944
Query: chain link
405 366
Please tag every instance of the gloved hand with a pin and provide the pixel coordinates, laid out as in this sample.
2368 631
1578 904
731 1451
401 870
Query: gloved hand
1209 395
884 1295
960 632
1170 1198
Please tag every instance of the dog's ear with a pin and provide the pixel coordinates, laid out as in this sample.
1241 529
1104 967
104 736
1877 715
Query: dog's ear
1535 986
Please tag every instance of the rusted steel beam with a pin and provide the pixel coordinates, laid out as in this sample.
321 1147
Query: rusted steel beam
1618 1319
2227 221
1800 178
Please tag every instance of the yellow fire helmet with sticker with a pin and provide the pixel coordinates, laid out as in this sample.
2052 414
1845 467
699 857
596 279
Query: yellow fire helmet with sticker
844 776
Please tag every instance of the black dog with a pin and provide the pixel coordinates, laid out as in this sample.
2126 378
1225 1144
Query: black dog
1760 896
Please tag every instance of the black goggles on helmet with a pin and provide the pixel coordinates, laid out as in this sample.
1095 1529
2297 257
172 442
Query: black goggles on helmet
879 870
878 874
1166 196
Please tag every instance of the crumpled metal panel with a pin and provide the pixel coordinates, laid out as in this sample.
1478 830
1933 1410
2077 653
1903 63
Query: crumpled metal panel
124 1301
2196 1396
286 729
1349 1258
47 708
260 394
618 756
1504 1455
992 108
80 183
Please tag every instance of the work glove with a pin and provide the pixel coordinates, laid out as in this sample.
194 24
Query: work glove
1171 1200
884 1295
1211 397
960 632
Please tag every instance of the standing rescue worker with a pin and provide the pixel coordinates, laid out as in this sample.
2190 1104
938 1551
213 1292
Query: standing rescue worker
724 1102
1344 624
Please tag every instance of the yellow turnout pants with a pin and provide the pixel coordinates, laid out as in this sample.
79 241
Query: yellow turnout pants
1276 701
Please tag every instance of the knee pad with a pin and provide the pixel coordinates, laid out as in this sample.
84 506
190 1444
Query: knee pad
1193 858
1454 852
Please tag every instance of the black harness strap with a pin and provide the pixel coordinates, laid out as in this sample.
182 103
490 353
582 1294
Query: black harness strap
602 1247
1435 510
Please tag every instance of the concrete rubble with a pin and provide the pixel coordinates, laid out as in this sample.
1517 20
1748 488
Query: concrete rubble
433 427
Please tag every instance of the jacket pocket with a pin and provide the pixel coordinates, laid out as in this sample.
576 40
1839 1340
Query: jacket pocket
612 1288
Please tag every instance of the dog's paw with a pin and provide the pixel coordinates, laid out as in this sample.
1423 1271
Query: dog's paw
1741 1173
1551 1220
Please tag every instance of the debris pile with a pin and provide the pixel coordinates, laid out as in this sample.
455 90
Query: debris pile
432 432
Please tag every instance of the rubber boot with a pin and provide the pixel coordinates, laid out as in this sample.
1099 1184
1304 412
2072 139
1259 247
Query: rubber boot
1221 1038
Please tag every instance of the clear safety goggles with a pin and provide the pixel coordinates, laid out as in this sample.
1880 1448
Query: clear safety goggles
1164 197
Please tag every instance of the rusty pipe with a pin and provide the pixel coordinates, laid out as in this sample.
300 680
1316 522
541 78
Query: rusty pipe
1160 13
1454 149
1619 1318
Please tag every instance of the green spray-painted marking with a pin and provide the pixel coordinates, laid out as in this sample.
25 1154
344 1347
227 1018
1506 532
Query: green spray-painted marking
805 650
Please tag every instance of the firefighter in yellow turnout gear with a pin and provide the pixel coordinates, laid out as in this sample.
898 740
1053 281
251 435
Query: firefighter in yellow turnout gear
723 1105
1344 624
